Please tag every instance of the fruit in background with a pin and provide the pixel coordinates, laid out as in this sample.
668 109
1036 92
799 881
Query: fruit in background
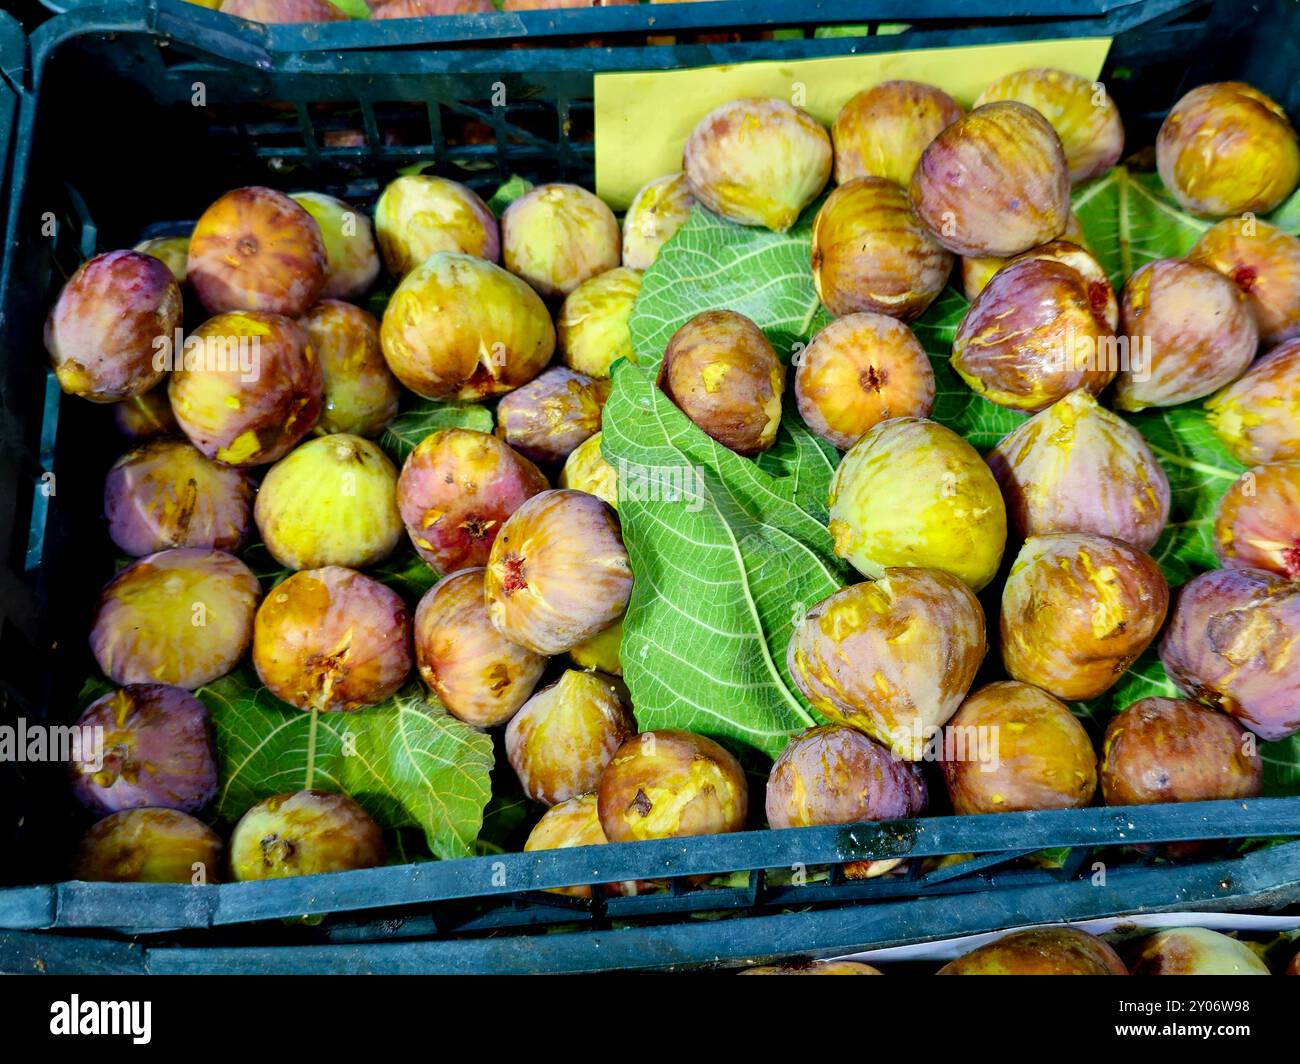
586 470
361 395
757 161
171 251
552 414
814 968
1040 951
166 494
1257 417
1264 262
945 513
302 834
1294 967
455 490
658 210
255 249
870 252
421 8
1257 525
1233 641
1077 467
351 261
332 640
892 657
103 331
1195 951
157 751
146 416
1226 148
722 373
558 573
882 131
182 617
557 236
1077 611
592 329
283 11
602 652
418 214
496 336
976 272
148 846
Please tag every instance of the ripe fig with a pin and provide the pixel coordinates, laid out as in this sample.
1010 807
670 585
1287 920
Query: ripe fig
1257 525
1040 951
882 131
571 823
658 210
814 968
303 834
1263 262
911 492
976 272
1257 416
720 370
332 640
586 470
558 573
602 652
1196 951
148 846
592 328
104 330
283 11
870 252
361 395
351 261
172 251
181 617
419 214
552 414
757 161
557 236
146 416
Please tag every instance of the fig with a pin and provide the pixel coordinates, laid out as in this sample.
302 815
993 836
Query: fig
1012 747
978 272
592 329
1263 262
1226 148
814 968
892 657
1077 467
870 252
422 8
182 617
882 131
558 573
148 846
1294 967
1040 951
156 751
107 327
351 261
602 652
172 251
549 416
303 834
671 784
586 470
570 823
1077 611
361 395
1233 641
1167 750
1257 525
476 672
1195 951
943 513
255 249
459 327
658 210
247 388
146 416
557 236
722 373
455 490
757 161
332 640
1257 417
283 11
418 215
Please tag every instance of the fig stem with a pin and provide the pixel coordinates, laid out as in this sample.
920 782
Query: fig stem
311 746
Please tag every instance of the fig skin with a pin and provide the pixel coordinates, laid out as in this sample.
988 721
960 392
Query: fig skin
1257 416
146 416
577 823
994 182
1226 148
592 329
671 784
165 494
1201 330
814 968
332 640
721 372
459 327
586 470
1040 951
247 416
892 657
977 272
419 214
304 834
882 131
148 846
1263 262
1168 750
757 161
1195 951
331 501
870 252
102 332
351 259
1077 467
946 513
283 11
421 8
1232 642
602 652
361 395
456 489
558 573
551 415
658 210
1043 760
557 236
1077 611
182 617
172 251
1257 525
157 752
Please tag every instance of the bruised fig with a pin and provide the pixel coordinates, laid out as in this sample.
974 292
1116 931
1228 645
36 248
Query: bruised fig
658 210
557 236
586 470
549 416
172 251
977 272
146 416
283 11
592 328
351 261
148 846
1263 262
303 834
882 131
361 395
419 214
1196 951
814 968
1040 951
1257 416
602 652
1257 525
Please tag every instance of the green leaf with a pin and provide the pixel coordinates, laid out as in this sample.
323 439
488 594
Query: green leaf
353 8
507 194
412 425
406 573
1287 216
1281 767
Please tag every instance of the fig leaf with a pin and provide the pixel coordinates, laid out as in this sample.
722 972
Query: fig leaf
426 416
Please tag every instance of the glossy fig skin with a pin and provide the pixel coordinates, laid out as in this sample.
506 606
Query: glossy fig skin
361 395
419 214
165 494
149 846
552 414
882 131
814 968
576 822
592 328
870 252
557 236
892 657
1040 951
1076 467
1257 416
1196 951
1257 525
1077 611
1263 262
757 161
456 489
102 332
303 834
977 272
182 617
657 211
351 259
146 416
602 652
1226 148
172 251
586 470
1232 641
283 11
